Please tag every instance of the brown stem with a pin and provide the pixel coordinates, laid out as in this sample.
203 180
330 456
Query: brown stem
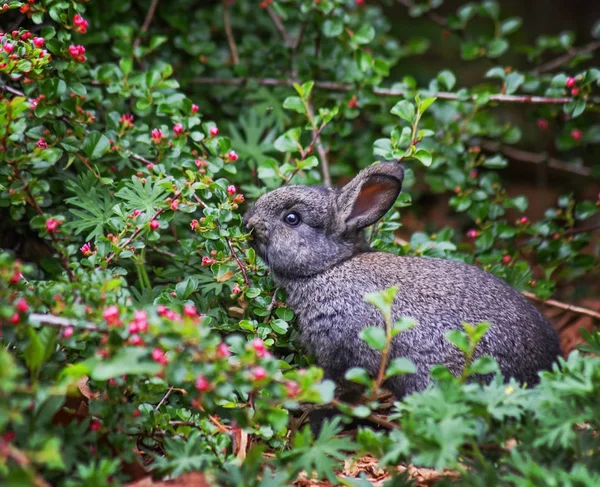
7 449
535 158
374 418
320 148
565 306
559 61
229 34
139 158
147 22
165 397
333 86
438 19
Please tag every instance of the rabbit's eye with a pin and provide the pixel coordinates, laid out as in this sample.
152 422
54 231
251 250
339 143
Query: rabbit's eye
292 218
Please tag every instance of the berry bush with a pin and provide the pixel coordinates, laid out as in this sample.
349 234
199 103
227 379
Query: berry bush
141 337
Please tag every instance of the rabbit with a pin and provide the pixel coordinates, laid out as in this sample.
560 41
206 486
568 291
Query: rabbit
312 239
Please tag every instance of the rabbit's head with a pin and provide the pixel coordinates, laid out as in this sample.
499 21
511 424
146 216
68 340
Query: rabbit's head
300 231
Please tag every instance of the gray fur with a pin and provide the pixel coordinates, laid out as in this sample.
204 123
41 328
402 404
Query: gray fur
326 267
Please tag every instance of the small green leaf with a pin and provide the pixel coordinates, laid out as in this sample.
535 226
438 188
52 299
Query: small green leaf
424 157
405 110
333 27
364 34
95 145
359 376
374 336
447 79
294 103
288 142
509 26
400 366
513 81
459 339
483 365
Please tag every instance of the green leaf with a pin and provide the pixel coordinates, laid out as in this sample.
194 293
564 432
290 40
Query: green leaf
294 103
513 81
127 361
497 47
95 145
400 366
495 162
288 142
382 300
403 324
447 79
405 110
483 365
374 336
510 25
424 157
34 351
491 8
333 27
423 105
364 34
459 339
359 376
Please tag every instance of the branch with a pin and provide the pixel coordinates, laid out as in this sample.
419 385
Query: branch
229 34
333 86
139 230
280 27
559 61
565 306
58 322
147 22
438 19
535 158
374 418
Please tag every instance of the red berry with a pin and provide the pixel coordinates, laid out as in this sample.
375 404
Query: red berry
223 350
52 225
178 129
575 91
136 340
111 315
236 289
68 332
15 318
136 413
576 134
22 306
95 425
8 47
38 41
258 372
201 383
194 108
231 190
542 123
232 155
190 310
214 131
154 224
292 388
472 233
506 259
570 82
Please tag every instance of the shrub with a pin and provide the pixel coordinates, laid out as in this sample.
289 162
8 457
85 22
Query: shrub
138 324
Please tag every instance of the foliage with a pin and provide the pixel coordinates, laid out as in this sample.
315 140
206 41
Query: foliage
135 317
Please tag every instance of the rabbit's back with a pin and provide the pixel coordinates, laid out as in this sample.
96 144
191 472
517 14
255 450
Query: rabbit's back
439 294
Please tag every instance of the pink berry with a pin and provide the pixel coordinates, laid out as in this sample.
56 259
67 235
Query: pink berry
236 289
42 144
524 220
201 383
156 135
68 332
174 205
15 318
232 155
111 315
238 199
542 123
95 425
52 225
154 224
190 310
576 134
231 190
223 350
158 355
575 92
8 47
570 82
259 347
214 131
473 173
472 233
194 224
38 41
136 213
86 249
22 306
136 340
506 259
292 388
178 129
258 372
194 108
80 23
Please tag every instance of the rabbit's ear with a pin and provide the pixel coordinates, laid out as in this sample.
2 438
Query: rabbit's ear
370 195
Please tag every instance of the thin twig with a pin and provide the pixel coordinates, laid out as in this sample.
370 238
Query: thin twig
137 157
374 418
139 230
570 231
165 397
559 61
320 149
229 34
535 158
341 87
565 306
438 19
147 22
280 27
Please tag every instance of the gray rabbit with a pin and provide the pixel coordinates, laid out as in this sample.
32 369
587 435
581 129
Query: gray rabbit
312 240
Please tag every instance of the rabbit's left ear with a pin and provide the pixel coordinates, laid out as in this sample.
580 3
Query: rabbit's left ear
369 196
